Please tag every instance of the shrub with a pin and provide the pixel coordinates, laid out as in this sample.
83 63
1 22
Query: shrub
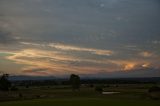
14 88
75 81
99 89
20 95
91 85
154 89
154 92
5 84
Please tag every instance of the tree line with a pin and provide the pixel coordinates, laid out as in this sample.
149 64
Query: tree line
6 85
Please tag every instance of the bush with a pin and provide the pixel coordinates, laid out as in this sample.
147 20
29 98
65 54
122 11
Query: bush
20 95
14 88
5 84
27 86
75 81
154 89
99 89
91 85
154 92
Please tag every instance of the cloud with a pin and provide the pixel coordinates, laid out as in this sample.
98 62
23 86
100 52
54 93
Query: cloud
146 54
81 49
89 35
156 42
129 65
32 44
35 71
56 62
6 37
66 47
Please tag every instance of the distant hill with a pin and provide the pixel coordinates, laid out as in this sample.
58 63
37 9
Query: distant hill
14 78
139 73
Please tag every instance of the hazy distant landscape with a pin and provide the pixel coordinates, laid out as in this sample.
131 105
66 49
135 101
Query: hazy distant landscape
42 91
79 52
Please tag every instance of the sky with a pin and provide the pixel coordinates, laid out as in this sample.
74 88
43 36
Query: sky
118 38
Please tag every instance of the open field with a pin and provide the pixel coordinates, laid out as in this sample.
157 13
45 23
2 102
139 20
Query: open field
130 94
82 102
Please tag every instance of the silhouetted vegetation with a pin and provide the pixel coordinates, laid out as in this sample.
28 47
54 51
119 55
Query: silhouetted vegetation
88 82
99 89
5 84
14 88
154 89
90 88
75 81
154 92
20 95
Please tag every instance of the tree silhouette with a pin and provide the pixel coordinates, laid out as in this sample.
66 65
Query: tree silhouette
154 92
154 89
5 84
75 81
99 89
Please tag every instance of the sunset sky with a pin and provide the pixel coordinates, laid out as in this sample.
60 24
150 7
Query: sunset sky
86 37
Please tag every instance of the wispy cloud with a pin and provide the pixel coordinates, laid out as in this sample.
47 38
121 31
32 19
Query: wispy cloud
55 62
146 54
32 44
66 47
127 65
35 71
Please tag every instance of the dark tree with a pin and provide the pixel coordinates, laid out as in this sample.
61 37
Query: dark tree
75 81
154 89
14 88
99 89
154 92
5 84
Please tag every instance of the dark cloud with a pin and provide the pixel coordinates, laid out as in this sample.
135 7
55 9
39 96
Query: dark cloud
86 22
128 27
36 71
6 38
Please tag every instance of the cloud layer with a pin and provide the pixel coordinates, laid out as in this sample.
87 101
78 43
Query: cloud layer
47 37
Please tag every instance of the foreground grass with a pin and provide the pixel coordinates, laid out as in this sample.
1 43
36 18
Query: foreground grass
82 102
130 95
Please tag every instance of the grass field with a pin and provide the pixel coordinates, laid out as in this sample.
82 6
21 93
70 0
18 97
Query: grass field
130 95
82 102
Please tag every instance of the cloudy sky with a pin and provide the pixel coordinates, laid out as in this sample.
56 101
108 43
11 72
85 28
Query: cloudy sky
87 37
